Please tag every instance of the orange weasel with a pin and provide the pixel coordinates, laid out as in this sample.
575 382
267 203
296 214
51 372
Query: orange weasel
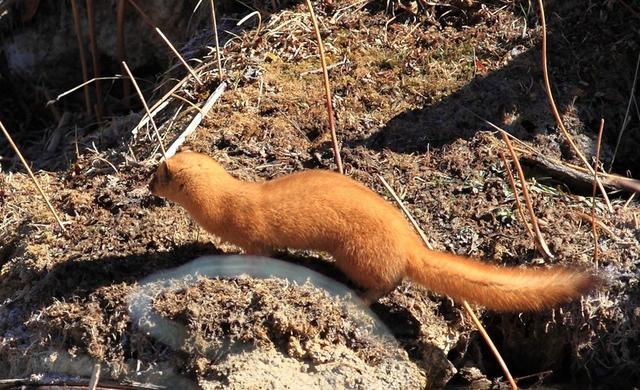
370 240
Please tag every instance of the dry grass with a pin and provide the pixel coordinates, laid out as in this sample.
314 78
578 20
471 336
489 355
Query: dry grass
272 121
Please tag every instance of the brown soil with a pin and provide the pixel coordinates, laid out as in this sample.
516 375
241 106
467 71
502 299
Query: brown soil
402 90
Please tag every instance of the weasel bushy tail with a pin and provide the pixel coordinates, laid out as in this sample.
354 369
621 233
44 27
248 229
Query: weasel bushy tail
499 288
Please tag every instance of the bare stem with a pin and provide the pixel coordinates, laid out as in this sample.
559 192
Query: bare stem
515 195
554 109
120 44
175 51
94 56
83 59
406 212
492 346
145 17
327 90
146 107
215 34
593 195
35 181
540 243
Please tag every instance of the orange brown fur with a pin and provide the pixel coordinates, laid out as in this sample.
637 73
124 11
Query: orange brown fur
370 240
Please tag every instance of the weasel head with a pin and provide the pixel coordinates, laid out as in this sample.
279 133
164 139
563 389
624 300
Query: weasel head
184 173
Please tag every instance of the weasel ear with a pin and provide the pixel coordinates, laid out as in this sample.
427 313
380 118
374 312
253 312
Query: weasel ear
165 173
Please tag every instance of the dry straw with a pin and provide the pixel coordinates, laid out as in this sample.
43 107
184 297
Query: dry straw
596 166
175 51
539 241
327 89
214 25
146 108
554 109
83 59
94 55
35 181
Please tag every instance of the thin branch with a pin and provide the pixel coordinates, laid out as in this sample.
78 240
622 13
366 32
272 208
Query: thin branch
593 195
188 102
94 55
539 242
554 109
466 306
122 54
196 120
77 87
492 346
327 89
215 34
626 114
406 212
249 16
145 17
173 49
626 204
35 181
83 59
144 103
516 196
161 103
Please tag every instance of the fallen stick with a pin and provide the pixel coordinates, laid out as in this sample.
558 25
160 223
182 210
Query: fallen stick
195 122
576 177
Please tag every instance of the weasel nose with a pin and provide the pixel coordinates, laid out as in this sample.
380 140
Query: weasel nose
152 184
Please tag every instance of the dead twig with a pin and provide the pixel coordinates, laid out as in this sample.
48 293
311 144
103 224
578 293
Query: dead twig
196 120
554 109
214 24
492 346
146 108
77 87
122 55
83 59
601 225
145 17
593 195
626 204
256 14
327 89
175 51
33 178
539 241
406 212
94 55
562 169
626 114
516 196
466 306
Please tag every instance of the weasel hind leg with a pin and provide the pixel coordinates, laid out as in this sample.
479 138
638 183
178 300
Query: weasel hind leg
372 295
